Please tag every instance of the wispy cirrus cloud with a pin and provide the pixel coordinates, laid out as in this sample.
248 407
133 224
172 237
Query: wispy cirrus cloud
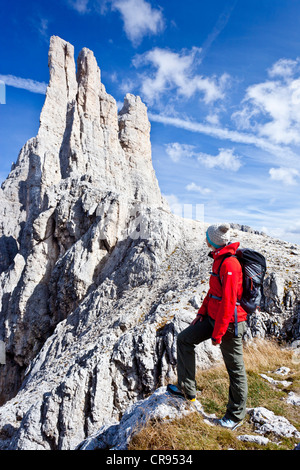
43 28
219 26
41 25
281 152
24 83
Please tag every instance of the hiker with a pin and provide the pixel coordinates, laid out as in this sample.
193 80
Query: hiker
221 319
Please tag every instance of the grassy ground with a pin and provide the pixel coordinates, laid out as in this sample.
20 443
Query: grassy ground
192 433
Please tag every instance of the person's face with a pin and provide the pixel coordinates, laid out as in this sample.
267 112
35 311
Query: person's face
209 245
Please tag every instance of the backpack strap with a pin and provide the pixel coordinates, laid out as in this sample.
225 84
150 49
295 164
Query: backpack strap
223 259
236 330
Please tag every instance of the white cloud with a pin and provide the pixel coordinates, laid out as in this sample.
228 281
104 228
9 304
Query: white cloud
140 19
138 16
284 68
24 83
243 118
176 151
175 71
198 189
81 6
272 108
285 175
226 160
213 118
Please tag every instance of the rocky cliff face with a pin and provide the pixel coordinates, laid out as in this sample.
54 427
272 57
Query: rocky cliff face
97 276
72 192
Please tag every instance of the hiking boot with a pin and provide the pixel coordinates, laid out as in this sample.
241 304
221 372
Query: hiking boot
228 423
176 392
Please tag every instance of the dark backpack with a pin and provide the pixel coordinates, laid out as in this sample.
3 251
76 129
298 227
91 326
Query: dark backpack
254 269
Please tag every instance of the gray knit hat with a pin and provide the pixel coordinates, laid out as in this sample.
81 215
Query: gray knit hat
218 235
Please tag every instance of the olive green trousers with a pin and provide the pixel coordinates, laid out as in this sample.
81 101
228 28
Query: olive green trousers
232 351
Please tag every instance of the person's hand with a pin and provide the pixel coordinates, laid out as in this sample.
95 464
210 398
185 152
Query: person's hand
198 318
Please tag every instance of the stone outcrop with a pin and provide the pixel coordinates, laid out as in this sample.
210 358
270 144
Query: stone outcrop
97 276
160 406
267 422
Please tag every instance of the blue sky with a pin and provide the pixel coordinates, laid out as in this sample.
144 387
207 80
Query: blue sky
221 80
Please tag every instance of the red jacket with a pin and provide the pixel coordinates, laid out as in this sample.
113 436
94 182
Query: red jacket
222 311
